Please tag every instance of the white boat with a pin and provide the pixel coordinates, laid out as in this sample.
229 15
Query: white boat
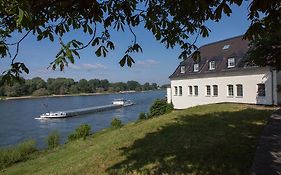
52 115
122 102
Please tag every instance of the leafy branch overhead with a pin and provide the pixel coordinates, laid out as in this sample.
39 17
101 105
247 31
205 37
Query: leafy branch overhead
171 22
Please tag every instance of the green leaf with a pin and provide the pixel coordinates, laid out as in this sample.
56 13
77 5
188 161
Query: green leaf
98 52
21 14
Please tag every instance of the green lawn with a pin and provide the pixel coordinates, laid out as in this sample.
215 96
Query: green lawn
211 139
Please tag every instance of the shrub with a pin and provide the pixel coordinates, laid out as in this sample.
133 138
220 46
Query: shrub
142 116
81 132
116 123
40 92
53 140
18 153
160 107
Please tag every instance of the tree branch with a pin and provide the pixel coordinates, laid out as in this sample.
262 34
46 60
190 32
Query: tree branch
18 46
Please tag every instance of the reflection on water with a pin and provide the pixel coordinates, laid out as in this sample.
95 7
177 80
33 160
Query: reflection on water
17 121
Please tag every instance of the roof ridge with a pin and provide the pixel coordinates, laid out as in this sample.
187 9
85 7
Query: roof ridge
220 41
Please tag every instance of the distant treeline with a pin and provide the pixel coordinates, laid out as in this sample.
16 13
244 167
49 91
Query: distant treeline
61 86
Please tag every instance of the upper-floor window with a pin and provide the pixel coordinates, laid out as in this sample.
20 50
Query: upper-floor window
196 67
190 90
230 90
215 90
180 90
208 90
239 90
182 69
212 65
176 90
196 90
230 62
261 90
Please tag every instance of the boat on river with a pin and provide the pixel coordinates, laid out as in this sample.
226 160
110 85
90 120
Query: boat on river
117 103
122 102
58 114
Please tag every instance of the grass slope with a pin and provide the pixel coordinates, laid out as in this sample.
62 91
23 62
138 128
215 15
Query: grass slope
210 139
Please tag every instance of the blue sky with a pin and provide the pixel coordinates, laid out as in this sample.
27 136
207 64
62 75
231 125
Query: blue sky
154 64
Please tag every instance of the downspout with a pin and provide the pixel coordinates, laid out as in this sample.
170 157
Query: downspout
272 87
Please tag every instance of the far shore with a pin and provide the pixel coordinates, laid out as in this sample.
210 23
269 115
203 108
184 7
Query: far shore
67 95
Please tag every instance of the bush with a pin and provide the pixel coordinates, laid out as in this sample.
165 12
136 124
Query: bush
40 92
116 123
53 140
8 156
81 132
142 116
160 107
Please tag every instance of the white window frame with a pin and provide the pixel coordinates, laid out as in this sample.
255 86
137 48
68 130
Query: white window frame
182 69
176 90
212 65
190 91
217 90
230 93
195 67
231 62
208 90
237 91
180 90
196 90
263 90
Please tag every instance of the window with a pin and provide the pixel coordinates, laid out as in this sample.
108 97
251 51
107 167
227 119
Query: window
176 90
196 67
225 47
230 90
261 90
239 88
182 69
208 90
196 90
215 90
230 62
180 90
212 65
190 90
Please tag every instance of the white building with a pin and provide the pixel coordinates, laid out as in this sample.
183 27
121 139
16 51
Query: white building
222 75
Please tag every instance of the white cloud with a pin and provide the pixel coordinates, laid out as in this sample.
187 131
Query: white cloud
146 63
87 66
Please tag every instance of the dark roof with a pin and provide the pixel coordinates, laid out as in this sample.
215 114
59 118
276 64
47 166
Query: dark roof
215 52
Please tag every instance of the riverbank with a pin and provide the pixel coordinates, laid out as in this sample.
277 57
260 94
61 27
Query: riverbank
209 139
67 95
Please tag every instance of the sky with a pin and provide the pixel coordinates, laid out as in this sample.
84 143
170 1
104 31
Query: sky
154 64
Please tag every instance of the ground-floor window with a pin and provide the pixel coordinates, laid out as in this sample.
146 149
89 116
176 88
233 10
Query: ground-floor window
239 90
261 90
230 90
215 90
180 90
190 90
196 90
208 90
176 90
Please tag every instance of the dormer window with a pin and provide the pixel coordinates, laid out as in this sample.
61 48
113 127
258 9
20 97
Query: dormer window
225 47
212 65
230 62
196 67
182 69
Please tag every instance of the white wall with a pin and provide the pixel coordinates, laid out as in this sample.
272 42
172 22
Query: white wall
169 95
249 82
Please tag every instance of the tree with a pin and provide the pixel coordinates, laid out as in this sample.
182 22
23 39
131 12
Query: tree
171 22
133 85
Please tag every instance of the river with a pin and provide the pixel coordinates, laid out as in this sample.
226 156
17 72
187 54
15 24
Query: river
17 121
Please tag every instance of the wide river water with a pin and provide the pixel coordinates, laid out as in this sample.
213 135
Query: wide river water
17 121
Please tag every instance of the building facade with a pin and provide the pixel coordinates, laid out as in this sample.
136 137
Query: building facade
223 75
